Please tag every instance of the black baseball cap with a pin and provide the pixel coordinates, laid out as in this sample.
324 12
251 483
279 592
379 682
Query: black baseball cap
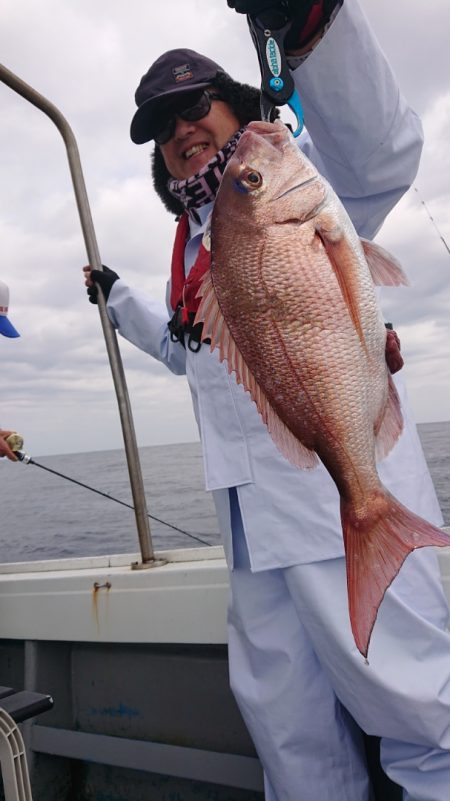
175 72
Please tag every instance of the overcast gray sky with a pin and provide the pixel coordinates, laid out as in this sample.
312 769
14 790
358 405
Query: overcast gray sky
87 58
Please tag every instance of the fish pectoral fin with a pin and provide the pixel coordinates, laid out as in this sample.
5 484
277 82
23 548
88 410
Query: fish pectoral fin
342 258
376 545
216 329
384 268
390 425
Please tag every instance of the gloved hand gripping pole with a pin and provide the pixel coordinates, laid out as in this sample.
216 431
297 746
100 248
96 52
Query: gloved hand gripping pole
129 436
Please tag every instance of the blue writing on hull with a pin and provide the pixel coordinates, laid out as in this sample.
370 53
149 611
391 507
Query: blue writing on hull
120 711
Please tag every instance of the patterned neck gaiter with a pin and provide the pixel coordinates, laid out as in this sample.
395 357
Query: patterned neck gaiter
202 188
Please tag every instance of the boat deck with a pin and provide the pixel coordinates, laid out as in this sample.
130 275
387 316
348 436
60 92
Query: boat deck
136 662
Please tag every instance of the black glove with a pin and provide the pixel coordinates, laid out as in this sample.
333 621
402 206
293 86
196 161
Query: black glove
299 11
254 7
105 279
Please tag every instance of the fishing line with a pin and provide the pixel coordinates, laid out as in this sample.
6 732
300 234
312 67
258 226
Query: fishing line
28 460
441 237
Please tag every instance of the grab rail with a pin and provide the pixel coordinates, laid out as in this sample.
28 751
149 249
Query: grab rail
129 436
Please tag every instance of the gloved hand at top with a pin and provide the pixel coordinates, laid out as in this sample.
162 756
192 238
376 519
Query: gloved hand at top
104 278
254 7
308 16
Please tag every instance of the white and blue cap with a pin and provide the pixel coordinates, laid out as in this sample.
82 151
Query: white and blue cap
6 327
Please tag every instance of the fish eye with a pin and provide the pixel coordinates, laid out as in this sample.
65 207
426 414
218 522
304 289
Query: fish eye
252 179
248 181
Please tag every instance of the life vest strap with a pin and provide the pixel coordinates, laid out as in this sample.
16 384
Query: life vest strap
184 291
180 328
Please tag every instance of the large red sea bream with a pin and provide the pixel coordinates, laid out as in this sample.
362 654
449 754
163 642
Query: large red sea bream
290 303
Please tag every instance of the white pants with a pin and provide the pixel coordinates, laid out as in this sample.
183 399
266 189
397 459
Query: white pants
293 660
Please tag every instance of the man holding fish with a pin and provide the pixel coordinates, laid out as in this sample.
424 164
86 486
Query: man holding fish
307 440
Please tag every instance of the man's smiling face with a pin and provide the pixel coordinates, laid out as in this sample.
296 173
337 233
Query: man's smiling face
195 143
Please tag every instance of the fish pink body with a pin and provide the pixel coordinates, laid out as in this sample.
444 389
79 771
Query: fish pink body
290 302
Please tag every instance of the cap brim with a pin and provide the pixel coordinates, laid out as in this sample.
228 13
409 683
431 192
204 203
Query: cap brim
143 126
7 329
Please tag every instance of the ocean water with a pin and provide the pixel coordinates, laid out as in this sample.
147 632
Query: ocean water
43 516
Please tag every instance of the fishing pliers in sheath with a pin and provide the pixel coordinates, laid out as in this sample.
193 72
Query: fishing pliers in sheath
268 30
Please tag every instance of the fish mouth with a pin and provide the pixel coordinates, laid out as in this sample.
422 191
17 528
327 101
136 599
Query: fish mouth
262 128
271 134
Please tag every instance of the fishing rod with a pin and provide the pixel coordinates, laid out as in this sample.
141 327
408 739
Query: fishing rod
26 459
441 237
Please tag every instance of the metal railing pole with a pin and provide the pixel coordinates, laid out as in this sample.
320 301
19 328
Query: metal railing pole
129 436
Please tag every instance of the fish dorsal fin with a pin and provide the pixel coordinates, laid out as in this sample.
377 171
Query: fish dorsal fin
216 329
391 424
384 268
340 255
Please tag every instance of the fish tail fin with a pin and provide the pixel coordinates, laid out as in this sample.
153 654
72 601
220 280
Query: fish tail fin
377 542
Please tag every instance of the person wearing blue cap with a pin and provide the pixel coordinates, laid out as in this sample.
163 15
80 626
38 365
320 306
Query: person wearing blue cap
8 330
6 326
305 692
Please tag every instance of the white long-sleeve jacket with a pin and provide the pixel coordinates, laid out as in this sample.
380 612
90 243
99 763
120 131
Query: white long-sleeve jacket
366 141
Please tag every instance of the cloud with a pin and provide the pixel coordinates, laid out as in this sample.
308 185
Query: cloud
420 312
87 58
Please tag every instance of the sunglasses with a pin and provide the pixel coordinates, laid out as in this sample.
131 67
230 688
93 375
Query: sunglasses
196 111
